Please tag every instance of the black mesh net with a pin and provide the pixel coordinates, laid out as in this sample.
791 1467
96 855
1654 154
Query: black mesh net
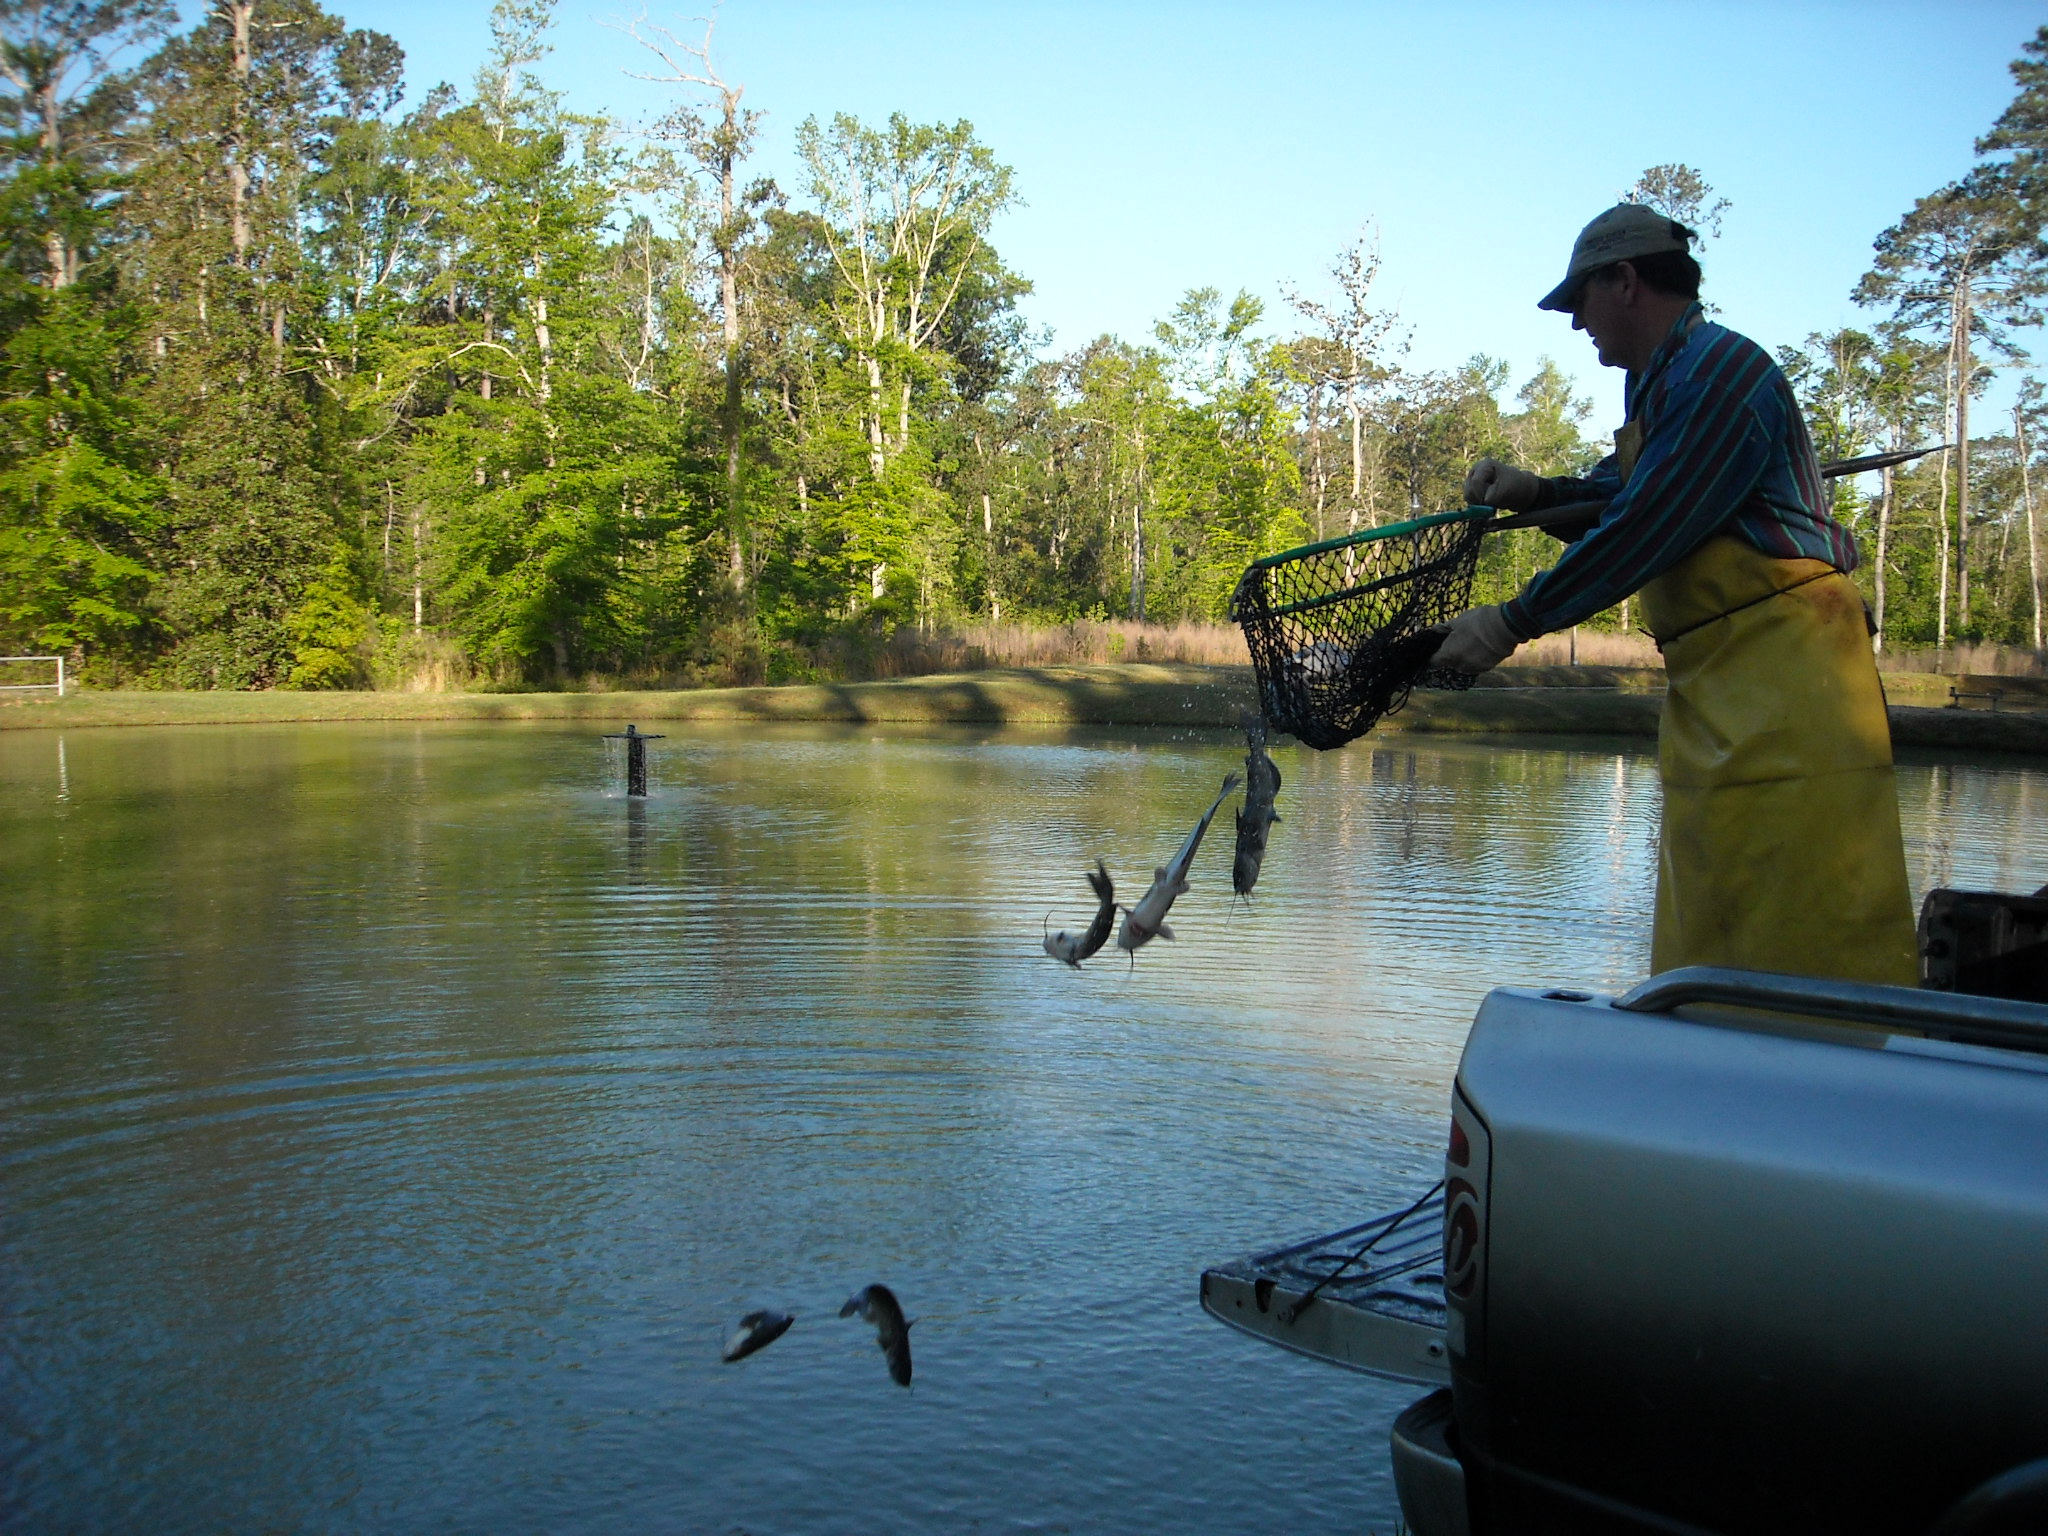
1338 630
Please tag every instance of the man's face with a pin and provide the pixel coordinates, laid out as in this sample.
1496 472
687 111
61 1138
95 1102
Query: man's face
1598 312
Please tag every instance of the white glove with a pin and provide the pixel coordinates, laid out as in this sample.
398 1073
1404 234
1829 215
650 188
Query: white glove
1476 641
1490 483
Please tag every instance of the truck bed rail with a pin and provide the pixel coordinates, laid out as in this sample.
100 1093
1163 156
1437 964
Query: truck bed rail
1993 1021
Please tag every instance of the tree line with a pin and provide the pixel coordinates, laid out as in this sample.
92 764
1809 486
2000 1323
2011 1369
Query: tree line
301 387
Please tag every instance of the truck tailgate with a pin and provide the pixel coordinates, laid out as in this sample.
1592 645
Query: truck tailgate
1373 1294
1756 1271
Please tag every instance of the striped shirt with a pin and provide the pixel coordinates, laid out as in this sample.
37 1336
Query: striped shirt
1724 450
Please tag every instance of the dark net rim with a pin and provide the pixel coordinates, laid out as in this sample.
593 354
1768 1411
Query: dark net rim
1339 631
1369 535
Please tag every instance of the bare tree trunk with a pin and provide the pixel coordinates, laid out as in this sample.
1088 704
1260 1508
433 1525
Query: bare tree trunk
239 14
729 305
1372 489
2019 435
418 587
876 460
544 339
1357 450
736 533
1994 577
1941 601
988 534
1318 473
1884 529
57 250
1138 528
1941 509
1965 366
483 387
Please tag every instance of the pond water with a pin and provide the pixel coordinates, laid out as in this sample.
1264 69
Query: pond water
393 1118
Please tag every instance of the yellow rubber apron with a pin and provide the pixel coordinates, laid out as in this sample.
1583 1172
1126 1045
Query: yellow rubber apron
1781 847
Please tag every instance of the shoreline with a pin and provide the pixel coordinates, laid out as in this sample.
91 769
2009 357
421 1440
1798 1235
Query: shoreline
1606 701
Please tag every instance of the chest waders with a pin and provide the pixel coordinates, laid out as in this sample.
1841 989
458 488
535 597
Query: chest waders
1780 846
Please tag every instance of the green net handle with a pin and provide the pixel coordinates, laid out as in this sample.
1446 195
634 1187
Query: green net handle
1366 536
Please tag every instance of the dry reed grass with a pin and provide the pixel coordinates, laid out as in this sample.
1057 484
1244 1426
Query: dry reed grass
1969 658
427 666
1589 648
1606 648
1084 642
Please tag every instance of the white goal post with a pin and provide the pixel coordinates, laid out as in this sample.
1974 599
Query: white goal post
35 687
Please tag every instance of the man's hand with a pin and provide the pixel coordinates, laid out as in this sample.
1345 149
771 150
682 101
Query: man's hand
1490 483
1476 641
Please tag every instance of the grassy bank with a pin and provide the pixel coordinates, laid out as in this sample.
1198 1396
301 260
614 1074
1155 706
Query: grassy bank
1137 694
1554 700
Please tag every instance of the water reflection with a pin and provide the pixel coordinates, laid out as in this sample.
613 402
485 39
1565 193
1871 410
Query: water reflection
395 1116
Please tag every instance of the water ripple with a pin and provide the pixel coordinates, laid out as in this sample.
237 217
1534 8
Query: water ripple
392 1117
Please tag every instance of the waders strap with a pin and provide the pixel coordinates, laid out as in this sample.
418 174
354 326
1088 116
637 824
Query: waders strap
1715 618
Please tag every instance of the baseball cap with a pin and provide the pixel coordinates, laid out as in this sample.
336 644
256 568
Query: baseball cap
1623 231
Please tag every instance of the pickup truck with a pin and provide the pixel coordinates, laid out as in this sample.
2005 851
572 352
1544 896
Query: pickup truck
1732 1252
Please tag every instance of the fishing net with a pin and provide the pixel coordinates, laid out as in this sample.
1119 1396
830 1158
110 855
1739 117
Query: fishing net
1338 631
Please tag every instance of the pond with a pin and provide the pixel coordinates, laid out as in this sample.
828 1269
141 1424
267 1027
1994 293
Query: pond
393 1119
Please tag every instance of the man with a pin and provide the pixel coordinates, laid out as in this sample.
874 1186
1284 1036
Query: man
1780 847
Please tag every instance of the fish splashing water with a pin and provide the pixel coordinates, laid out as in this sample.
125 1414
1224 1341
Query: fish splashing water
1065 946
1147 920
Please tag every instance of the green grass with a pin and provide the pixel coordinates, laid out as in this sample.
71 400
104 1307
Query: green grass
1622 701
1166 693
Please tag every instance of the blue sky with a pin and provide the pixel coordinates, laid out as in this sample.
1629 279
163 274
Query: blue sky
1161 147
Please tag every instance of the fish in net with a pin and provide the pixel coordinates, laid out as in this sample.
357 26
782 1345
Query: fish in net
1341 631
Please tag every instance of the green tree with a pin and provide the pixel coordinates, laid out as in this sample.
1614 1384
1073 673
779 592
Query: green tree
77 502
1955 265
1548 434
1357 348
1679 192
65 107
718 147
2015 151
77 505
1229 489
554 476
212 213
904 215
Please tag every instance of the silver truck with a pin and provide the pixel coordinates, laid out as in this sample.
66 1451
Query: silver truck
1730 1253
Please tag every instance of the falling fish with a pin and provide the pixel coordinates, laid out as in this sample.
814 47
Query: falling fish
757 1330
1064 946
877 1304
1147 920
1255 820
